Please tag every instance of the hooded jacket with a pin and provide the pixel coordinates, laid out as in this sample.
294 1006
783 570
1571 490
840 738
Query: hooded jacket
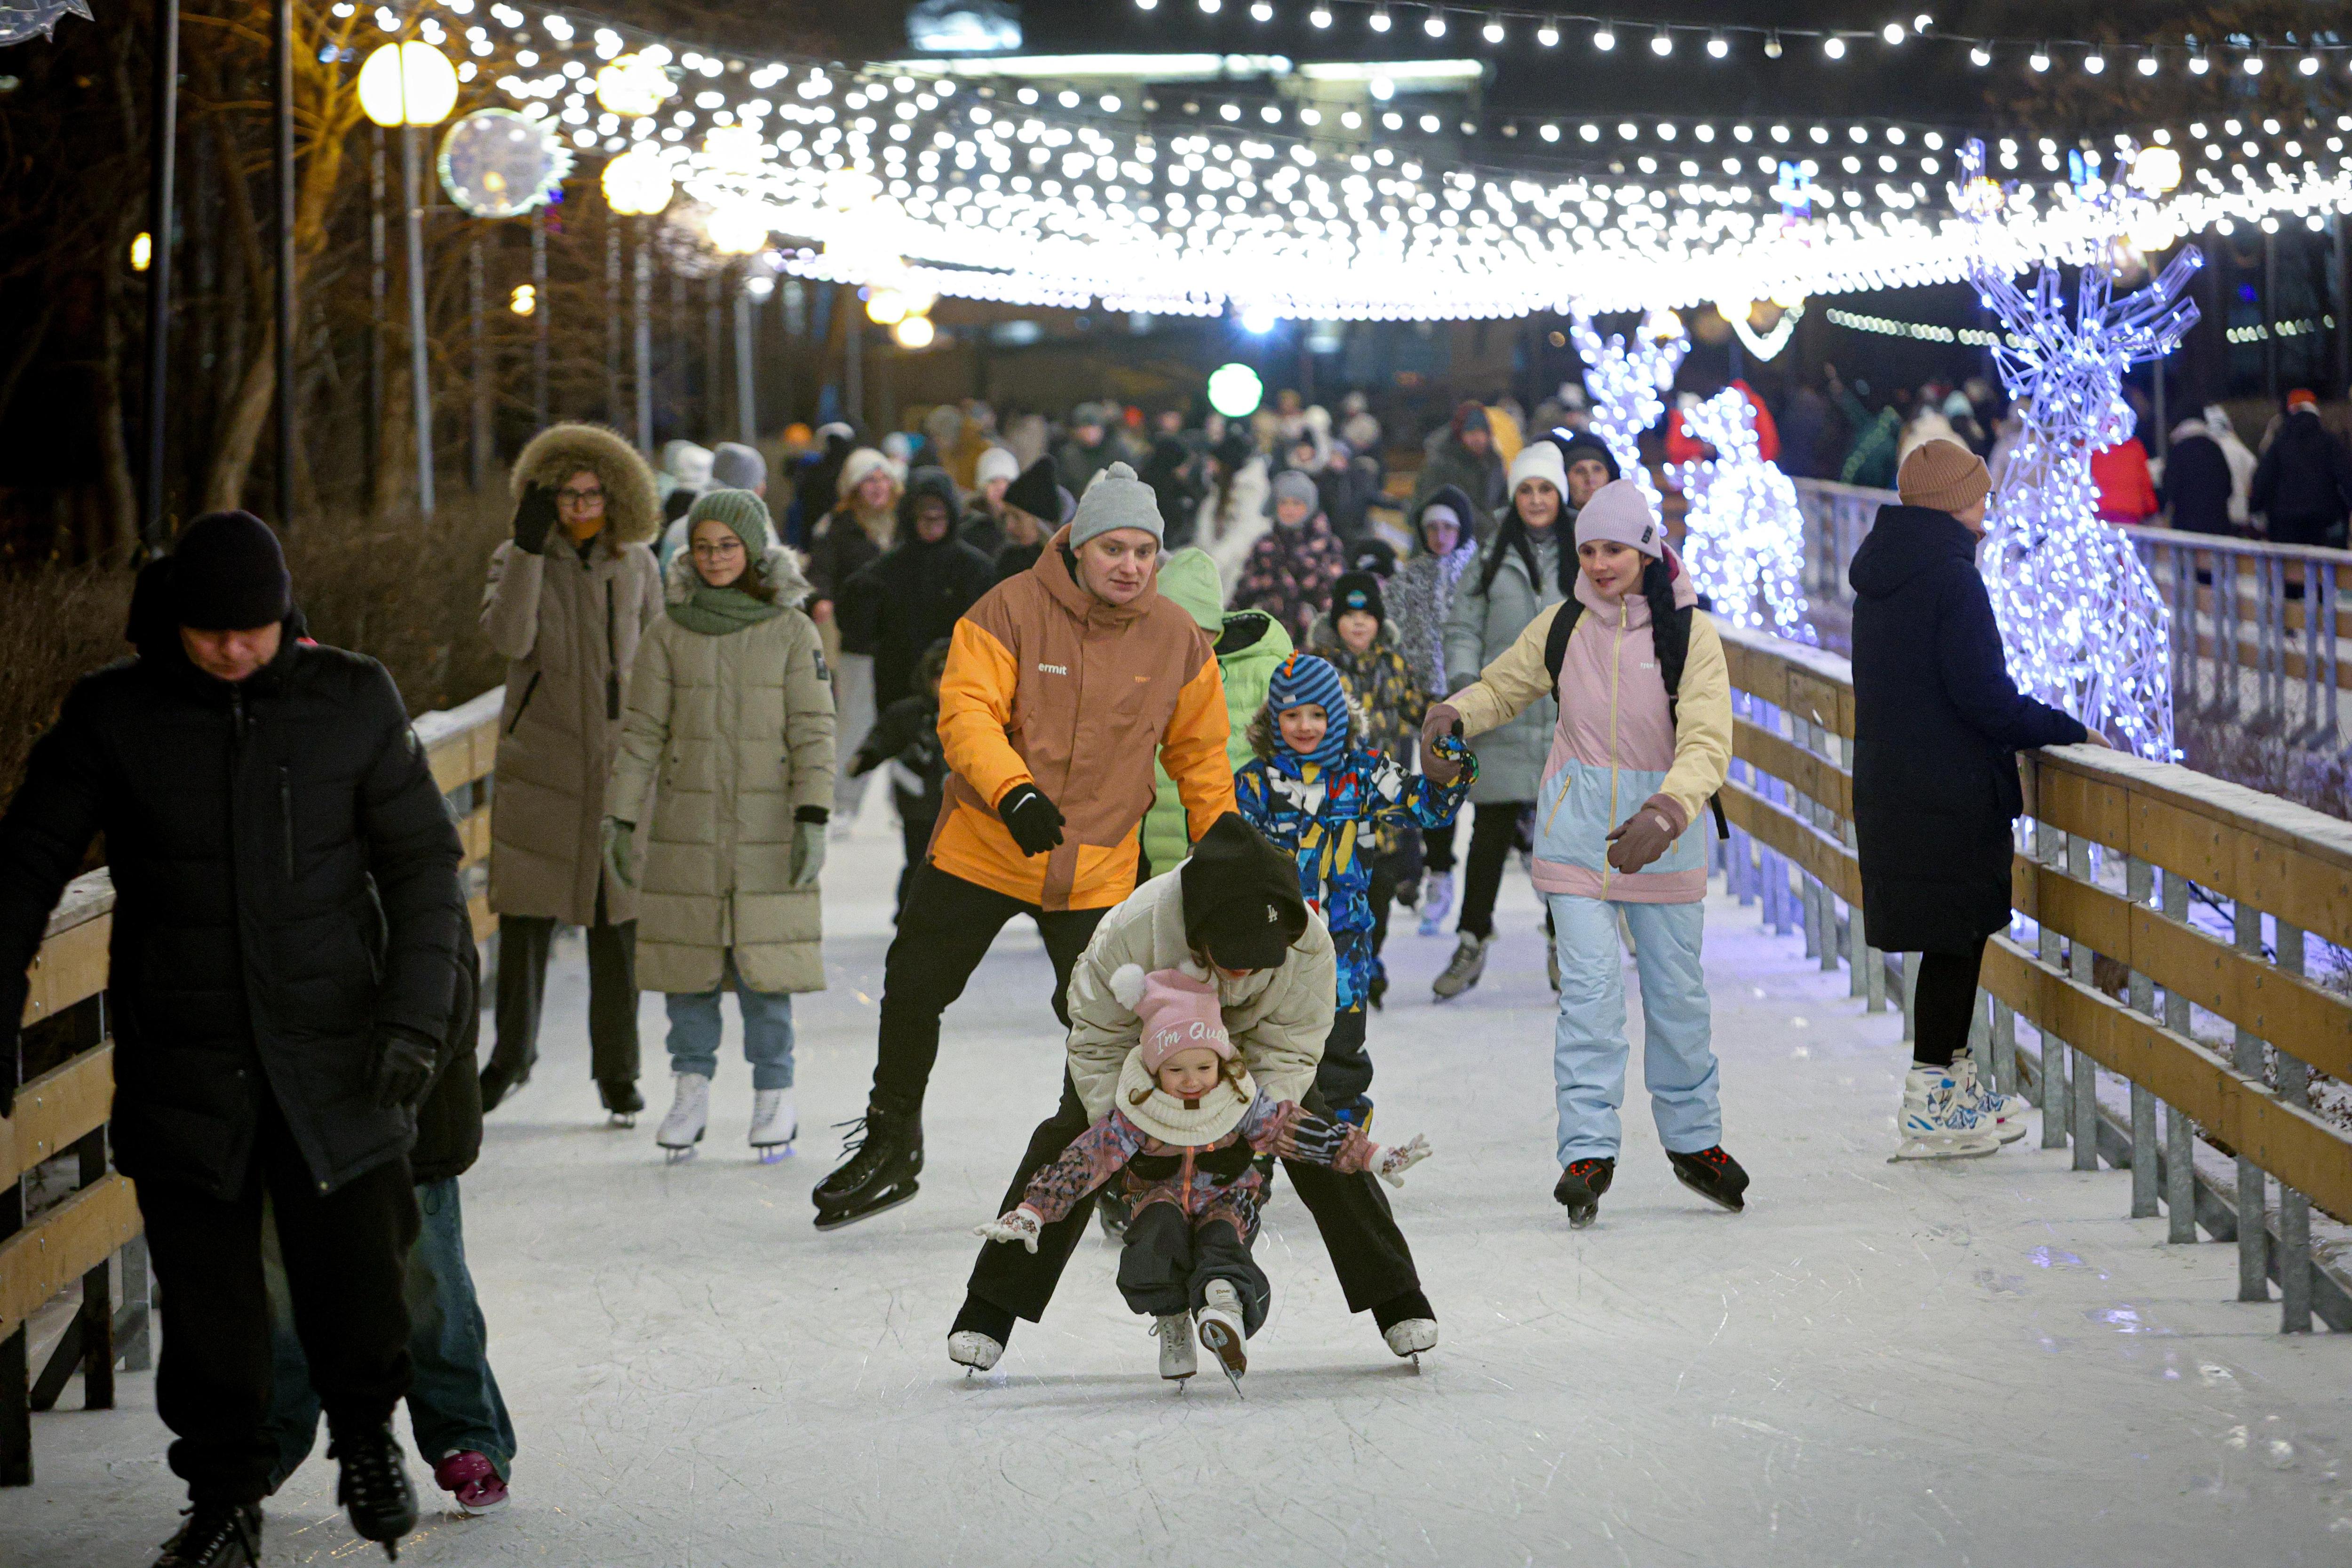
1421 594
913 595
2197 481
1250 647
1290 571
568 620
1937 726
1179 492
1616 741
1488 616
731 736
286 894
2304 484
1047 684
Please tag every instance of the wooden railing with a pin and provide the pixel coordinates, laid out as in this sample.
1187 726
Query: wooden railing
2117 855
67 1216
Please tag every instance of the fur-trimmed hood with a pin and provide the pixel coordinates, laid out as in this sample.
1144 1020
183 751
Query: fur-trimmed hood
777 567
632 506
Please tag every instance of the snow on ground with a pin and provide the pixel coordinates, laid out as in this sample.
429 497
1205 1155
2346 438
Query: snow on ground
1976 1363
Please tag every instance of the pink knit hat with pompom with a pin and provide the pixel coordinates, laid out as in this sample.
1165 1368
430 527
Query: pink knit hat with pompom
1180 1010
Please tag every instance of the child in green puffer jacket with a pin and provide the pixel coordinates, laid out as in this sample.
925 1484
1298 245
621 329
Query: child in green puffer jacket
1251 645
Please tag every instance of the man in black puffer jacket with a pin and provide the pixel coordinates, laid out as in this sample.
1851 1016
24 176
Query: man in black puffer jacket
284 956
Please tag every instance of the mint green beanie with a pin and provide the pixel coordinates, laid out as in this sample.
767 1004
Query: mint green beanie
740 511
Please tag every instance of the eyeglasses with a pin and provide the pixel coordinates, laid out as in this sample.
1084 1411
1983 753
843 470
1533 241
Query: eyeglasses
580 498
711 550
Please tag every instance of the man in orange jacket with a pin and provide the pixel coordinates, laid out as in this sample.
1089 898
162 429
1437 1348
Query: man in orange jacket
1062 685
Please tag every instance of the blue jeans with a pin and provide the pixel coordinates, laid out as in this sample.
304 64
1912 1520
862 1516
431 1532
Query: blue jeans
767 1030
454 1402
1590 1048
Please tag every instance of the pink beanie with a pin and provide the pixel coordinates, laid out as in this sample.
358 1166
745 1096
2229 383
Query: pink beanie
1178 1011
1620 512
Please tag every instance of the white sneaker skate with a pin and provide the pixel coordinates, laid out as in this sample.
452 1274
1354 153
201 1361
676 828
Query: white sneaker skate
1436 902
774 1125
2006 1110
1177 1360
1941 1120
975 1352
690 1113
1412 1337
1220 1319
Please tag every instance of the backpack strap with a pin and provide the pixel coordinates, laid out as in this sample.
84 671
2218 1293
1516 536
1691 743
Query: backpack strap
1563 626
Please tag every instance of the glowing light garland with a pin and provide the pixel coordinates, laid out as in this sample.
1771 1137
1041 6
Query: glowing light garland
1743 539
2085 628
1625 385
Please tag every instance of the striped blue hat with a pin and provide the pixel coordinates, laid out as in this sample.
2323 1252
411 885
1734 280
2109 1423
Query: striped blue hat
1303 678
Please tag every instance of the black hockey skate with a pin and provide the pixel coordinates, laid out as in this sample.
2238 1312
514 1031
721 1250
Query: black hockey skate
373 1488
621 1099
1713 1175
1579 1189
885 1156
217 1535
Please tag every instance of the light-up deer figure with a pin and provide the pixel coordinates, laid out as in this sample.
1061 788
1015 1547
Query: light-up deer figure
1625 384
2085 628
1744 535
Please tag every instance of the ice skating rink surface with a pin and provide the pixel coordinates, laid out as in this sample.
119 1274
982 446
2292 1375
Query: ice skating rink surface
1975 1364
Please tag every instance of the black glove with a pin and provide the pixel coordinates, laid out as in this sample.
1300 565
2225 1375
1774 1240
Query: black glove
1034 821
403 1066
534 515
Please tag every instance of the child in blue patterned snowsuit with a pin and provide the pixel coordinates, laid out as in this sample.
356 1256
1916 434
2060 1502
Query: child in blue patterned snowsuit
1315 794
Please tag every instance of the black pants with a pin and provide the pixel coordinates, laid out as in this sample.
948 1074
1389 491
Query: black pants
346 1264
524 944
1368 1251
1345 1070
1437 847
914 834
1494 829
943 933
1944 1004
1169 1261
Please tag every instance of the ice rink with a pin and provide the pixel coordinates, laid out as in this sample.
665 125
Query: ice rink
1978 1363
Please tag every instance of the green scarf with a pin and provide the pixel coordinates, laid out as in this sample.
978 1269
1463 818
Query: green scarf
715 612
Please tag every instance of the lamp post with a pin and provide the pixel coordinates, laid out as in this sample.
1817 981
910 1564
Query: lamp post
281 70
413 86
733 231
163 131
638 185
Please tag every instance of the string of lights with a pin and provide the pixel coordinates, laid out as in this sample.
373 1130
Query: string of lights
1625 383
1744 532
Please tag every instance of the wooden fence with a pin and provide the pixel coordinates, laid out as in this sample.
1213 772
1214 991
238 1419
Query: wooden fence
67 1217
2115 855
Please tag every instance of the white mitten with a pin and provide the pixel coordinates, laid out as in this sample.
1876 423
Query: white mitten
1397 1158
1021 1225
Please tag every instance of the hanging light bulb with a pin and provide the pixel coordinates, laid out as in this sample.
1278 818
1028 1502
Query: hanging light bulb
143 250
1548 34
1980 54
738 229
524 300
1434 23
1717 46
1662 43
885 307
733 149
2156 171
1604 37
1493 31
1773 44
914 332
408 84
2308 65
637 183
634 86
1380 19
2039 58
1833 47
1320 17
2254 62
2094 62
2147 62
2198 64
1893 32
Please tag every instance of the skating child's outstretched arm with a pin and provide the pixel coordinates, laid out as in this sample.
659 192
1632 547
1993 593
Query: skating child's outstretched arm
1419 800
1093 1158
1290 1131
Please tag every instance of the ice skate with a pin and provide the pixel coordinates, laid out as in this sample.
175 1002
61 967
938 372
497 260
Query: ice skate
2007 1111
1579 1188
884 1155
373 1486
217 1535
471 1481
1177 1360
1220 1319
1462 971
975 1352
773 1124
501 1082
621 1101
1436 903
1713 1175
689 1115
1942 1120
1411 1337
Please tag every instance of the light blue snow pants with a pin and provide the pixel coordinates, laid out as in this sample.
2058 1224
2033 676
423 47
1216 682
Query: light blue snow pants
1590 1048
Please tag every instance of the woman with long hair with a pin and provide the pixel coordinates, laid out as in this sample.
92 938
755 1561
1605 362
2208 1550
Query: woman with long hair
852 537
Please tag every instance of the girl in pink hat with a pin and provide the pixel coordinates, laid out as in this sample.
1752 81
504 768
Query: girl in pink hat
1186 1123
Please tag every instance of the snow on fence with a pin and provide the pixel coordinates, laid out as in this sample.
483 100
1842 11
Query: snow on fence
2092 943
66 1220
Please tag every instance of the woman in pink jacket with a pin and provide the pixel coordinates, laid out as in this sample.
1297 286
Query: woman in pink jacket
1641 745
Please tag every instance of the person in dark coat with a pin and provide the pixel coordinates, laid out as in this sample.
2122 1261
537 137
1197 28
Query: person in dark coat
2303 483
906 737
284 959
1938 727
916 593
1173 472
455 1408
2196 488
1036 504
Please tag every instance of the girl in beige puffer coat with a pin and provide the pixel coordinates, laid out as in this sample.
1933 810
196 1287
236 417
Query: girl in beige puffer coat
731 715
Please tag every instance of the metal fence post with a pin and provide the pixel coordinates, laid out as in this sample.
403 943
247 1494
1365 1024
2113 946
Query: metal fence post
2049 848
2139 884
2294 1209
2254 1236
2085 1101
2180 1135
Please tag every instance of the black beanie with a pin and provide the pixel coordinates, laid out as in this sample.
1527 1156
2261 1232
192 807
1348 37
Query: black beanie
1241 904
1581 445
1358 591
1036 493
229 575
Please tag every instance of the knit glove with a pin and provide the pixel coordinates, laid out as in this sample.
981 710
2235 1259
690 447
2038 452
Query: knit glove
1443 721
1020 1224
620 846
403 1067
1391 1162
808 853
1646 834
1034 821
534 515
1444 760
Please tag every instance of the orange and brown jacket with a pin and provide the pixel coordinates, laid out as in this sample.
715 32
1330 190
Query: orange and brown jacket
1047 684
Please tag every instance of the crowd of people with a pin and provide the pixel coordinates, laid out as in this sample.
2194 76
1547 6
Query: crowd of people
1175 695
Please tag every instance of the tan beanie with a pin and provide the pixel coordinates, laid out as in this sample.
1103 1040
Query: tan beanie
1944 476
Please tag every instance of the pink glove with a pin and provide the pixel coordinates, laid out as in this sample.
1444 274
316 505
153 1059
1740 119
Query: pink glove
1391 1164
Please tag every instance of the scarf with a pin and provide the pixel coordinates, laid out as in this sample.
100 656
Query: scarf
715 612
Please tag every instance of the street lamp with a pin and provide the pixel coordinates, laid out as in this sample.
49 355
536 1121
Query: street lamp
638 185
413 86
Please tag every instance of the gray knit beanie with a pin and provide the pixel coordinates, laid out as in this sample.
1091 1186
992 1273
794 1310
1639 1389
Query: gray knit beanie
1292 485
740 511
1116 499
735 466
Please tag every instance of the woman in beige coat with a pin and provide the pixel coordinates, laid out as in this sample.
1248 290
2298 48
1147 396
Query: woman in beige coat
729 730
567 601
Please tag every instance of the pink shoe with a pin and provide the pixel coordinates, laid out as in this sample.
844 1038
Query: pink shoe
473 1481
